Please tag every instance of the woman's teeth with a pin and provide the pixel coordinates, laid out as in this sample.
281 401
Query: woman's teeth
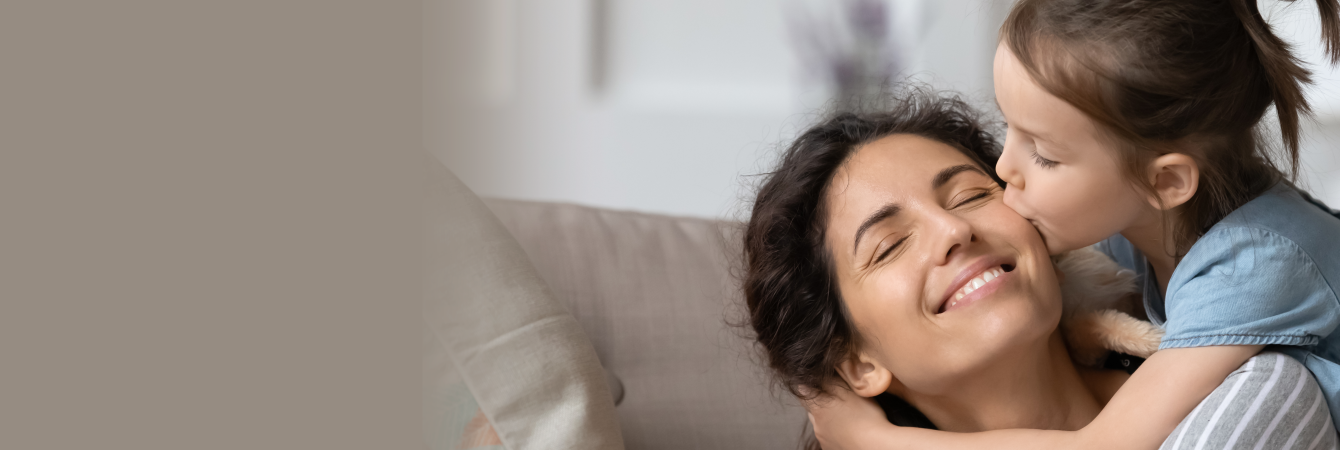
975 283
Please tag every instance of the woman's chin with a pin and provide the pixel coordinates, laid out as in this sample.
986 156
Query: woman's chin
1006 322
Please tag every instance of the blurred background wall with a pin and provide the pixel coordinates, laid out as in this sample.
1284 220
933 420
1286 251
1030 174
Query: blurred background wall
668 106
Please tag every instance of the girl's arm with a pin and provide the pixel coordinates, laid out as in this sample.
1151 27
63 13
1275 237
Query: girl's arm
1140 416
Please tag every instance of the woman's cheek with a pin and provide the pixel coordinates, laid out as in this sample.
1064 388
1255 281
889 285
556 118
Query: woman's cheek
889 310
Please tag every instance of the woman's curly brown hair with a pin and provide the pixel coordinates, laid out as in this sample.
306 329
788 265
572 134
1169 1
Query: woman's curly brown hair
795 308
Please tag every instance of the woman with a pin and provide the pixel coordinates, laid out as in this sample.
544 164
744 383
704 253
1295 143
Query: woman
881 260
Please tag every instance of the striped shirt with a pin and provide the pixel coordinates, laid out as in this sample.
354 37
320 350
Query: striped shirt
1271 402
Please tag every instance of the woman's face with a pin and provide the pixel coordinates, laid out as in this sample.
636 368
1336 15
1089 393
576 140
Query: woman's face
940 277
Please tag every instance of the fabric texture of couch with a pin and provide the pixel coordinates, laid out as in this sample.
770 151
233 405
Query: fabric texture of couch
656 296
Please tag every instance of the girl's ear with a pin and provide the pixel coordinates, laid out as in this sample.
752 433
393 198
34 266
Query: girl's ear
1175 177
866 376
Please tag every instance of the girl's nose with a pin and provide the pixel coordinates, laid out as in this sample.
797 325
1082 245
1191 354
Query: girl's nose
1006 168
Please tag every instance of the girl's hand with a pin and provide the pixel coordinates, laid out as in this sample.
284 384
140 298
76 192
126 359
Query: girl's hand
843 420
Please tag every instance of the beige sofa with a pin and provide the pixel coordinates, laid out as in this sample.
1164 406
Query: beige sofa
550 326
656 295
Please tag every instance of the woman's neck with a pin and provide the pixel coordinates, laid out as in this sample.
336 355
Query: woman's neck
1040 390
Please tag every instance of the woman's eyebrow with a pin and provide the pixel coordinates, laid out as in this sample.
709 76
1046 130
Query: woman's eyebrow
948 173
889 210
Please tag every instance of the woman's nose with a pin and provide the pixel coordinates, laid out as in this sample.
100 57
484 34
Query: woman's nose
1006 168
955 234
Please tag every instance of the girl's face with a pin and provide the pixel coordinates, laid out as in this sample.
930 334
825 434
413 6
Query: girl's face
1061 174
939 276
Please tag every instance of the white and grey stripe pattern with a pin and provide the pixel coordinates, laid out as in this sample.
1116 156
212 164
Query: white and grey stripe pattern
1271 402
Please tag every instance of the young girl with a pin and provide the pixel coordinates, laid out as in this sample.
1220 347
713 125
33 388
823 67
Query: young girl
1140 120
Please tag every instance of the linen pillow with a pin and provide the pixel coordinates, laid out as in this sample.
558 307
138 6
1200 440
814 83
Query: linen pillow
490 322
452 418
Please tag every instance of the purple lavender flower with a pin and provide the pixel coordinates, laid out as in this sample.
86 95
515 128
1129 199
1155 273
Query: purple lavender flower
868 18
852 54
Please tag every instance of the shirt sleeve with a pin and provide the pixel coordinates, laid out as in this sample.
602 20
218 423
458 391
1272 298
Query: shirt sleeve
1246 286
1272 401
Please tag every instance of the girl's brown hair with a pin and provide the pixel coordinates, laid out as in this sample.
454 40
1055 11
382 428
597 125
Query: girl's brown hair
1176 76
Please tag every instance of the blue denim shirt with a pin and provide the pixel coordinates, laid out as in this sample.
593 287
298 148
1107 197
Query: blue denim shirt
1264 275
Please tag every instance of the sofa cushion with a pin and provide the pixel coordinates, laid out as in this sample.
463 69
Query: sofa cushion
655 294
491 325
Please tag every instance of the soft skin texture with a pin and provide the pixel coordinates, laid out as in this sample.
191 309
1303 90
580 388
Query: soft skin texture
1063 175
1073 191
992 359
1058 169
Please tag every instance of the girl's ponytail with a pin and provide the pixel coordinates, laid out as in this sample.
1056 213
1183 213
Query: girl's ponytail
1330 28
1284 71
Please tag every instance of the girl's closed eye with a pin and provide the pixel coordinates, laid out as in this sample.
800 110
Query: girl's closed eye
1042 162
1038 159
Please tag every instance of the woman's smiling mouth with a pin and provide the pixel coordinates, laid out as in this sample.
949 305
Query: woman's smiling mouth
975 282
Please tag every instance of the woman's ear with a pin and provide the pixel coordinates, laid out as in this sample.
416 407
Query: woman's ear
866 376
1175 177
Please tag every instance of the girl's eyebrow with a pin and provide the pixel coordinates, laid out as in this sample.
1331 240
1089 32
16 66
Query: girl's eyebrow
1016 125
1029 132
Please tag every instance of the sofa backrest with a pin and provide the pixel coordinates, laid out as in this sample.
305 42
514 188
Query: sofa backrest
656 294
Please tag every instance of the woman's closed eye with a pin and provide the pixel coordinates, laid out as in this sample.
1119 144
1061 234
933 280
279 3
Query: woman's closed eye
974 197
885 253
